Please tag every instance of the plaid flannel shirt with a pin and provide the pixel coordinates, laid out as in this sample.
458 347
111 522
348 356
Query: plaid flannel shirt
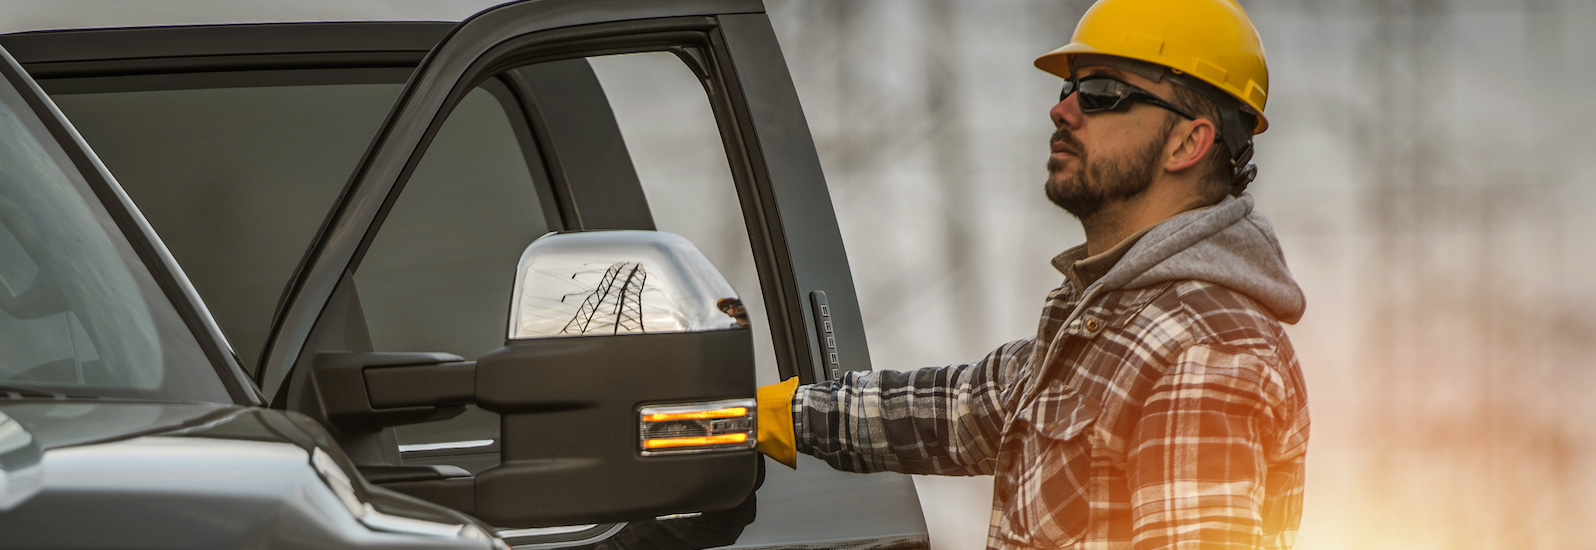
1172 416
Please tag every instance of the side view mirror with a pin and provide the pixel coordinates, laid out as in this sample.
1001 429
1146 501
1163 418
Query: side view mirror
625 392
625 387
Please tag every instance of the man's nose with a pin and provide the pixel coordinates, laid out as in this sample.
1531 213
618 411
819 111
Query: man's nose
1066 113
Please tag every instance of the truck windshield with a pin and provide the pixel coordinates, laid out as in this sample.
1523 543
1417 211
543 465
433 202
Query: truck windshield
80 313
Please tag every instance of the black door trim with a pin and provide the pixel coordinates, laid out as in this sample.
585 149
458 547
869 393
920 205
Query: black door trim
51 53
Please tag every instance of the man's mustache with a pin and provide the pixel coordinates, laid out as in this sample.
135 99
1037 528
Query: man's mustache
1064 137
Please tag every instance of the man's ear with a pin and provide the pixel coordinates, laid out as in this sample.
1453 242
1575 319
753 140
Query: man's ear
1189 143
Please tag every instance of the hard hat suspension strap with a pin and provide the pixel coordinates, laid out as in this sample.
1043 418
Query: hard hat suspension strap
1235 130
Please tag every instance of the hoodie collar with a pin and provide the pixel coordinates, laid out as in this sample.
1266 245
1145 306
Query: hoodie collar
1227 244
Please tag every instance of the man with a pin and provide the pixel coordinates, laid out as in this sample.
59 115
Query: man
1160 404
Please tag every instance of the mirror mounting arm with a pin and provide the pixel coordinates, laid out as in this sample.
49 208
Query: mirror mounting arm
369 390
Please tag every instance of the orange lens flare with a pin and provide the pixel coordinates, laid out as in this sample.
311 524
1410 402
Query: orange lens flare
694 441
730 412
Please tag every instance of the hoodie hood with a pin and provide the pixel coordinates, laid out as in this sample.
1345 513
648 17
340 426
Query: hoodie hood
1227 244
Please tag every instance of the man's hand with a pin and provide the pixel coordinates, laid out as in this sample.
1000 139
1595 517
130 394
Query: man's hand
776 439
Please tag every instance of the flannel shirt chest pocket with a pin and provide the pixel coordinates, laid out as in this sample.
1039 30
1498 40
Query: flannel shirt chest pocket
1049 475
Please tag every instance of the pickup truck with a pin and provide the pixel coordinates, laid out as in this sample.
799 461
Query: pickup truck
431 292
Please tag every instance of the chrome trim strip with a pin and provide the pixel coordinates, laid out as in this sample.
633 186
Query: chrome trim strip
445 445
544 531
599 532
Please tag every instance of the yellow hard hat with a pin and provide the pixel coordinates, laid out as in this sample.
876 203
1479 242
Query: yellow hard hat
1212 40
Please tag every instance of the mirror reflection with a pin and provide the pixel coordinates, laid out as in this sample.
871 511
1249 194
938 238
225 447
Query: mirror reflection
619 282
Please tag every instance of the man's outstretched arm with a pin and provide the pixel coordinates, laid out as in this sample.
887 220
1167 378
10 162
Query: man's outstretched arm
935 420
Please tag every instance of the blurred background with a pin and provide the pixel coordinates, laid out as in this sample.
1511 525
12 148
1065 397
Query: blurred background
1424 170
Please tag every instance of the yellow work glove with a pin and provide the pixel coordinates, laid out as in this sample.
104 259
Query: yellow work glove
775 422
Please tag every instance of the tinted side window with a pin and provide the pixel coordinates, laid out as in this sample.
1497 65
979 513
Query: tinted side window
438 276
439 273
675 144
235 176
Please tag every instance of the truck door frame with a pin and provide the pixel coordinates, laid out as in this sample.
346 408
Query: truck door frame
781 186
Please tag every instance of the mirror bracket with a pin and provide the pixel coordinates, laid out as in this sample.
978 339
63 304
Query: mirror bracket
372 390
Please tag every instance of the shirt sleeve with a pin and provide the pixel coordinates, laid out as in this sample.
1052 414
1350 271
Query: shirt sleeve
1198 460
934 420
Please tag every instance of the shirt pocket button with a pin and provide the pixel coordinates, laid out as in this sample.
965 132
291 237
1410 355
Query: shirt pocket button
1093 324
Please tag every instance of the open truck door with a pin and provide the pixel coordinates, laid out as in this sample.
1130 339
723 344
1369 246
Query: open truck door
404 309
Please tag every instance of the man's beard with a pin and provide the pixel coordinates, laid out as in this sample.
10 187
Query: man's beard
1100 181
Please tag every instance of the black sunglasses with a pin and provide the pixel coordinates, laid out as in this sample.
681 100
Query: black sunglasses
1098 93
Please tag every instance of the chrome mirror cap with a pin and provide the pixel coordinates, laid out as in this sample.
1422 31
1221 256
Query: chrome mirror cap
619 282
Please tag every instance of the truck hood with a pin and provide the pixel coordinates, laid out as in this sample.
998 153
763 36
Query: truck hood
101 474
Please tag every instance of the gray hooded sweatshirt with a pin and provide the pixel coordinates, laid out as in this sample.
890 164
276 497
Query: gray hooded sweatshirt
1227 244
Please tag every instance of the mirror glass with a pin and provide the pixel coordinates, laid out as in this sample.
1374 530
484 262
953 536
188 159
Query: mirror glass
619 282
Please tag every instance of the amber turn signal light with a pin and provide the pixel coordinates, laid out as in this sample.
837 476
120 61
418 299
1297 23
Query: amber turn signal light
688 428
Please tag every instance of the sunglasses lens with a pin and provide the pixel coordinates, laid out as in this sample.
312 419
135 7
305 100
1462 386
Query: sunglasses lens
1102 94
1095 94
